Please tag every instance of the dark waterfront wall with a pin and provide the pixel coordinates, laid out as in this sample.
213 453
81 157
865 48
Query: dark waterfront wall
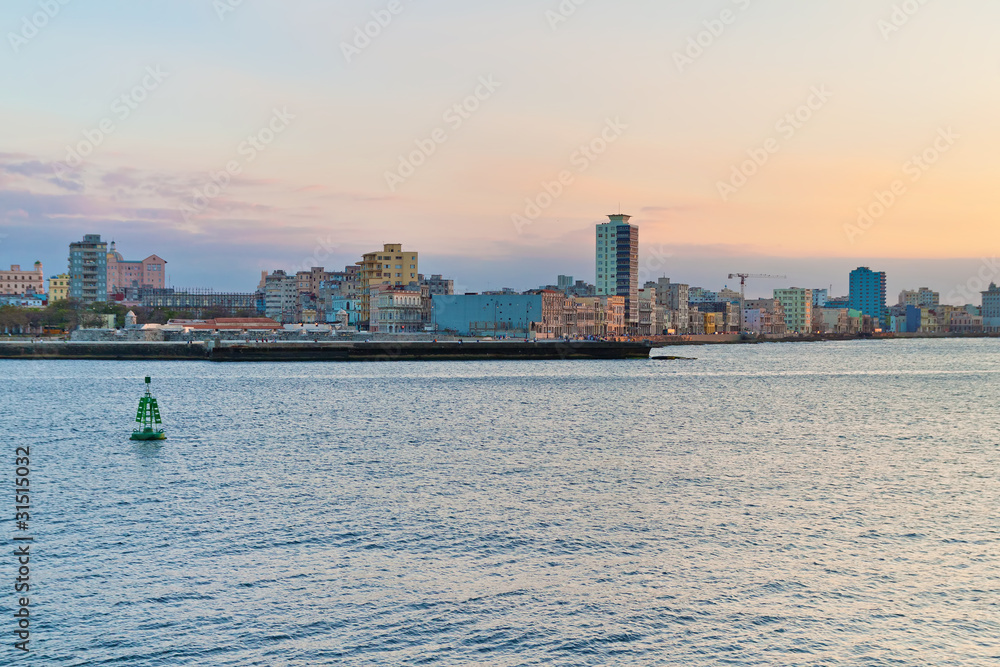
375 351
386 351
105 351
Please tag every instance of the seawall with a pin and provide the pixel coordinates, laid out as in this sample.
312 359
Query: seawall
230 351
332 351
105 351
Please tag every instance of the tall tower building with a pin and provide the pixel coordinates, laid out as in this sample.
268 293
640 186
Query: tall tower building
618 263
868 294
88 269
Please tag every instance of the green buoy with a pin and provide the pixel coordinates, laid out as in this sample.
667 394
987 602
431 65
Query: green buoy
147 415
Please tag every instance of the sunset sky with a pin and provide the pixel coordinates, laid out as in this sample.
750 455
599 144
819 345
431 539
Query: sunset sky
671 100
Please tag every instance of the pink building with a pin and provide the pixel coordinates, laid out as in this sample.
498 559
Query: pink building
122 273
16 281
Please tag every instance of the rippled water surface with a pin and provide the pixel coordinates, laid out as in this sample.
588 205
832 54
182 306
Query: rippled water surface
808 504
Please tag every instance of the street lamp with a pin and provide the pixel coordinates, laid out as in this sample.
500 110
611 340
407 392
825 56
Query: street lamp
495 307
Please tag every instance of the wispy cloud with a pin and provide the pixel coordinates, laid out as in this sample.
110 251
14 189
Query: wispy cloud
130 194
31 168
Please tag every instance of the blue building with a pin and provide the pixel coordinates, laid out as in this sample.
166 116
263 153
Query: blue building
349 304
486 314
913 317
839 302
868 294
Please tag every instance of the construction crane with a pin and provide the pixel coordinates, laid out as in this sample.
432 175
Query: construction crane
743 289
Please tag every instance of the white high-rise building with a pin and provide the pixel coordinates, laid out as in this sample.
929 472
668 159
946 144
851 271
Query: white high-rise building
922 298
280 296
618 263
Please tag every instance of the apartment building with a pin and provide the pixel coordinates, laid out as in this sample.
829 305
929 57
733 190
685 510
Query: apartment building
617 263
88 269
390 266
796 304
22 282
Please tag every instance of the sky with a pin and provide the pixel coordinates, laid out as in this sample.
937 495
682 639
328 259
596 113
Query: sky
778 137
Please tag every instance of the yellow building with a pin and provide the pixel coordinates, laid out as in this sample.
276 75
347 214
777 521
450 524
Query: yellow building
945 315
711 322
59 287
389 266
938 319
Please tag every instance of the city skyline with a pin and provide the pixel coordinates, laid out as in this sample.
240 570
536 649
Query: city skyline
495 152
901 274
